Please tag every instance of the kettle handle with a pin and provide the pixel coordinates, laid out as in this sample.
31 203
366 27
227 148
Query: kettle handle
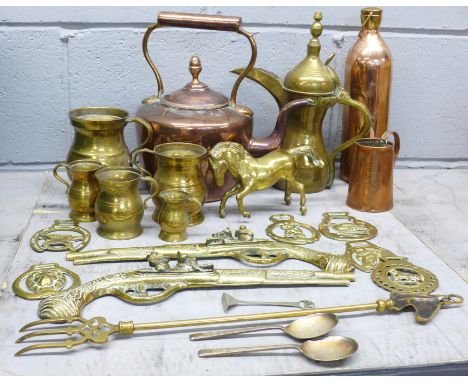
344 98
211 22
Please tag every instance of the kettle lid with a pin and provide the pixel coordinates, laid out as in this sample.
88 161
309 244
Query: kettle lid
311 76
195 95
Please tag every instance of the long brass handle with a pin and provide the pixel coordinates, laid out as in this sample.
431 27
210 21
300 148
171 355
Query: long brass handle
149 134
229 332
231 351
193 20
58 177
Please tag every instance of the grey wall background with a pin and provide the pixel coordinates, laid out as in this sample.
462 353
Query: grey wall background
53 59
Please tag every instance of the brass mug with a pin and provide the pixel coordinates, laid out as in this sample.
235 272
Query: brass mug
119 206
83 189
174 216
99 135
371 180
179 167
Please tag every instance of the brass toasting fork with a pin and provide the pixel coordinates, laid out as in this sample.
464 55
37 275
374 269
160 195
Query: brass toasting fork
98 330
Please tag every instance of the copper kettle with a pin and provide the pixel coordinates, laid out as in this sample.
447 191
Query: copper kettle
200 115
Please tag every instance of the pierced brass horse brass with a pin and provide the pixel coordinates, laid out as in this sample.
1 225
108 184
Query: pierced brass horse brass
352 229
293 232
46 240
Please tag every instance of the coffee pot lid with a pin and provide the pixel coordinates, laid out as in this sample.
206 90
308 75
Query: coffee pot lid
195 95
311 76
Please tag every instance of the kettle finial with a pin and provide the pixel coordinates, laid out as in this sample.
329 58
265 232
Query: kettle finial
316 28
195 68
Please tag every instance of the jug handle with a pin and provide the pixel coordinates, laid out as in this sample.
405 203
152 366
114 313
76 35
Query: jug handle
396 145
211 22
136 163
152 181
344 98
149 132
58 177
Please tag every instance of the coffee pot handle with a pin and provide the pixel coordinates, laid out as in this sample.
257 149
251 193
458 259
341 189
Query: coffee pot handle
198 21
149 135
396 145
58 177
136 163
344 98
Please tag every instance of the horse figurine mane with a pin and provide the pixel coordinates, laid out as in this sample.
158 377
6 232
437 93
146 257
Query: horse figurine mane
232 147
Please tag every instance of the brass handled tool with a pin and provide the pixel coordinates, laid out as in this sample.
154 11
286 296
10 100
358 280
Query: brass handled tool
333 348
97 330
229 301
312 326
164 280
241 246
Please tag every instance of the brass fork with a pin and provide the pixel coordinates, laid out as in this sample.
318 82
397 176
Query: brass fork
97 330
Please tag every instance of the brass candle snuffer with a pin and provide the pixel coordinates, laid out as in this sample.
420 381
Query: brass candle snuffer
198 114
83 190
241 246
228 301
55 239
164 280
368 77
99 135
319 83
97 330
253 174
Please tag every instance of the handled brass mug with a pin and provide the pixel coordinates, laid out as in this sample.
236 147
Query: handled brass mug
99 135
119 206
180 168
174 216
371 181
83 189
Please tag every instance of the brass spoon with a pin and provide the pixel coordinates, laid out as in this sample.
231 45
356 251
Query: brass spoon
331 348
312 326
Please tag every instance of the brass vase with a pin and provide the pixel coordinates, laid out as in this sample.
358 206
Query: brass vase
99 135
83 189
368 79
179 167
119 206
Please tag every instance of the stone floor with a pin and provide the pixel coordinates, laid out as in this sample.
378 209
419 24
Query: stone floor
427 225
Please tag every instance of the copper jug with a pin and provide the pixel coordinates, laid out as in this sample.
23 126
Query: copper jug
368 79
99 135
317 81
197 114
371 182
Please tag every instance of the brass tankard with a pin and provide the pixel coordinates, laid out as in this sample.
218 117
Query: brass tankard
174 216
83 189
371 182
119 206
99 135
179 167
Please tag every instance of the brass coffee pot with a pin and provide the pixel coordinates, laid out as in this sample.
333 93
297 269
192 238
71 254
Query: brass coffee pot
197 114
319 82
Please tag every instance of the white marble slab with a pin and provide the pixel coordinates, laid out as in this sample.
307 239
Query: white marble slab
385 340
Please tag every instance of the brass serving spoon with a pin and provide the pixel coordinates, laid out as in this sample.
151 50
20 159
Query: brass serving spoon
331 348
312 326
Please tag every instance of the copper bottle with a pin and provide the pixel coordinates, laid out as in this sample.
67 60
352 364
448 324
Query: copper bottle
368 79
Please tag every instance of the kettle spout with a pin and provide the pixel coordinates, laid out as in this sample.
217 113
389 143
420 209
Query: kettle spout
261 146
270 81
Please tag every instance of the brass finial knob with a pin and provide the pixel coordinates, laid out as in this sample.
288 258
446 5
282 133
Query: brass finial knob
195 68
316 27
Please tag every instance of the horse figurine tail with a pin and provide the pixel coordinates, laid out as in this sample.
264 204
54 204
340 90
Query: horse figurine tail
309 152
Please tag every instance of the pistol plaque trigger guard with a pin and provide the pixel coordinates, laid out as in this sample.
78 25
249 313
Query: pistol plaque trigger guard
261 257
143 297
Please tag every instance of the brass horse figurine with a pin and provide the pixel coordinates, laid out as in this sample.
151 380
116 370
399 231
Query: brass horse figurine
253 174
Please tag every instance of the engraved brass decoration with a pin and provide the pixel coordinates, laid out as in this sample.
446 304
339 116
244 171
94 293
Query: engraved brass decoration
333 227
396 274
47 240
241 246
293 232
44 280
97 330
366 256
136 286
254 174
